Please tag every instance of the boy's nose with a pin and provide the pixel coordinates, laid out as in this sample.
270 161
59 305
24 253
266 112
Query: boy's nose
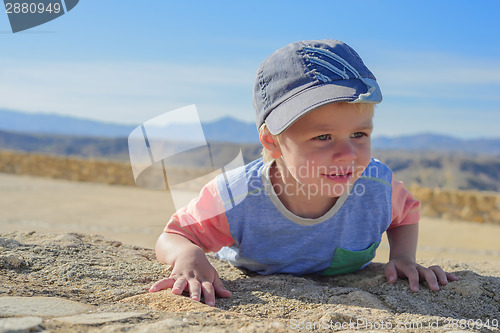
344 151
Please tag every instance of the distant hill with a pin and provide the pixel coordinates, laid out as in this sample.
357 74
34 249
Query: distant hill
424 159
438 143
88 147
449 170
445 170
222 130
225 129
15 121
116 148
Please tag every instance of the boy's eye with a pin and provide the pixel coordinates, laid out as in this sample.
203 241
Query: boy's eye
322 137
358 134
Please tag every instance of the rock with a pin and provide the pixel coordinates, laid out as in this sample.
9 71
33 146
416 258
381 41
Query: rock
100 318
11 261
359 298
67 240
485 203
165 325
18 325
40 306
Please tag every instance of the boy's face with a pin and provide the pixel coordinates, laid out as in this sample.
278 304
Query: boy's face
328 148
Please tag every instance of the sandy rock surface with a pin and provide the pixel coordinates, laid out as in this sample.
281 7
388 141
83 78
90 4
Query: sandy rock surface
113 279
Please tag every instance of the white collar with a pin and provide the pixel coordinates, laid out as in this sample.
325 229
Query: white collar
266 180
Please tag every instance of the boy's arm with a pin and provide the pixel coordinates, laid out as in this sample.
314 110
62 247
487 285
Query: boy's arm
199 227
402 236
191 270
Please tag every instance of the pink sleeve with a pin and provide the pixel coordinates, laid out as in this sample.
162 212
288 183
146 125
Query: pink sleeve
203 221
405 208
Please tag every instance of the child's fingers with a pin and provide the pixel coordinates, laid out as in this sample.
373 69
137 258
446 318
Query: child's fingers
413 276
391 273
179 286
195 289
442 277
208 293
434 275
219 288
429 275
162 284
451 277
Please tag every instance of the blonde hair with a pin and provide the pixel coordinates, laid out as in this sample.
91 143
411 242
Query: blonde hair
266 154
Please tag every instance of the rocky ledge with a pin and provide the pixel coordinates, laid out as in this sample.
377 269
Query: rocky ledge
83 283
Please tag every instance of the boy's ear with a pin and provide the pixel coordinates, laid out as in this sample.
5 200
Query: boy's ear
270 143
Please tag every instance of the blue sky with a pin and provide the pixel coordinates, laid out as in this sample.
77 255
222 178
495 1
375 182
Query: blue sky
437 62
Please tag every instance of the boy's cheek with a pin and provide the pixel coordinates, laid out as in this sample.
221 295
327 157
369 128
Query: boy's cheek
365 160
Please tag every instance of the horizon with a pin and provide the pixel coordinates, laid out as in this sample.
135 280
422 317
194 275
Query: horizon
213 121
122 63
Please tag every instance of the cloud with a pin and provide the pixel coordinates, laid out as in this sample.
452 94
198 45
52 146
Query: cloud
403 118
123 91
436 92
438 76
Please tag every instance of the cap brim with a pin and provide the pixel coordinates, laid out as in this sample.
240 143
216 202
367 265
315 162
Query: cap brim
286 113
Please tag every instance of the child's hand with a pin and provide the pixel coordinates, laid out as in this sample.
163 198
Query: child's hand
434 275
193 273
403 243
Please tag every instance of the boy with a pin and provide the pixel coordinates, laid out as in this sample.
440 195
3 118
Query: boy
317 203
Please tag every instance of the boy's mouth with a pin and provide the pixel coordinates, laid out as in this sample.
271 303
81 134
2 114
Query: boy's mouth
339 177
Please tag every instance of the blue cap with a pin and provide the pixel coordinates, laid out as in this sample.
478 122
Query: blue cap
305 75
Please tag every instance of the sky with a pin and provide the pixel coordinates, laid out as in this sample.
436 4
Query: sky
123 61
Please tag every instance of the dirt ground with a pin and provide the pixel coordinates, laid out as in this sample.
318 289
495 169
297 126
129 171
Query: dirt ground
47 248
113 278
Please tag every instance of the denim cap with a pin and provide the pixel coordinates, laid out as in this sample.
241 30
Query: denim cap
305 75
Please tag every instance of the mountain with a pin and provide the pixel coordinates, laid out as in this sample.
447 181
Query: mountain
446 170
15 121
437 143
88 147
225 129
231 130
222 130
431 167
